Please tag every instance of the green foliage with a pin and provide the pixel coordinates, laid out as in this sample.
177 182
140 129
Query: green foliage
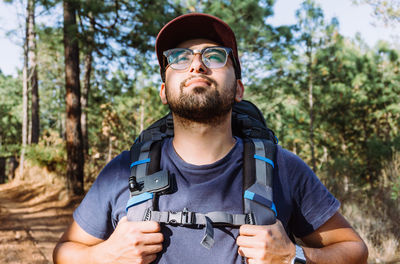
122 31
10 117
361 121
395 194
125 107
356 102
50 153
51 75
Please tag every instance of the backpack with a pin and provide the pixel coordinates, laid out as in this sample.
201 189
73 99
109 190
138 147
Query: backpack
147 182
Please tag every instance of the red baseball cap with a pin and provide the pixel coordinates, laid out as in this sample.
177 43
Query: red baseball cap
192 26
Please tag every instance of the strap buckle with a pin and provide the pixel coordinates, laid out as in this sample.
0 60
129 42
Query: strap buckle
181 218
250 219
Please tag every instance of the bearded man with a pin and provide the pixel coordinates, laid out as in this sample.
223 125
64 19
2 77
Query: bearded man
201 76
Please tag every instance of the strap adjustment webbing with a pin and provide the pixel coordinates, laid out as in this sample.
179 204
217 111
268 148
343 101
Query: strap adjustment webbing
208 221
187 218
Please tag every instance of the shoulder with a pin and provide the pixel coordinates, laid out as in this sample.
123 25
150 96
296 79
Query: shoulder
289 159
104 203
293 167
113 177
116 167
313 203
295 171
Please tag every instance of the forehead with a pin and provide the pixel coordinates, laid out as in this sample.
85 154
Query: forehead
197 44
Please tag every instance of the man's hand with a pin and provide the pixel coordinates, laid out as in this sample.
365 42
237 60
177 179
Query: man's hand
131 242
265 244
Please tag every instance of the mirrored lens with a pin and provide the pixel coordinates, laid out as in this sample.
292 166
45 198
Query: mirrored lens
214 57
179 58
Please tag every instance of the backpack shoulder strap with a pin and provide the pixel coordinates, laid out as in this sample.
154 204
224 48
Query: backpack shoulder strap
146 179
258 170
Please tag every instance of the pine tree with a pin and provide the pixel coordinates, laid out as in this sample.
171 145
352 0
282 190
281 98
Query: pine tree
75 173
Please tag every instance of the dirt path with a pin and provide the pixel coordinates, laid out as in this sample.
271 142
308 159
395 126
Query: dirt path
32 219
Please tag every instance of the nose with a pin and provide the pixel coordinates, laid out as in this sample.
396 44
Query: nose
197 65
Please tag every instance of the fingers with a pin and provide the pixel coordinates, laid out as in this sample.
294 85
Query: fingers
262 244
141 226
149 259
148 226
152 238
252 230
250 253
251 261
246 241
267 231
152 249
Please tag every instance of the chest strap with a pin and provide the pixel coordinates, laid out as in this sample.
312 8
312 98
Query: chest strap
208 221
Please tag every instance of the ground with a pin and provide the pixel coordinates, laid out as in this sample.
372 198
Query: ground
32 218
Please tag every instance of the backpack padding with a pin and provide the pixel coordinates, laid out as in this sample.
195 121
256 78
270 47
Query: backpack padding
259 195
270 153
135 151
248 121
162 127
248 108
249 171
134 154
155 158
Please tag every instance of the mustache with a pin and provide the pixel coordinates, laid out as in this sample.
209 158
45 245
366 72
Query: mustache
210 80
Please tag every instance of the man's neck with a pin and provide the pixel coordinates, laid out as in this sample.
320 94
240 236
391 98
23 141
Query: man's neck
199 143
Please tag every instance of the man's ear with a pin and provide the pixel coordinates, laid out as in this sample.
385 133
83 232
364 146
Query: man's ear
162 94
239 91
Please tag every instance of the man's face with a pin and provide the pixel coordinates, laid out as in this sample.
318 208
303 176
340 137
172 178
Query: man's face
200 94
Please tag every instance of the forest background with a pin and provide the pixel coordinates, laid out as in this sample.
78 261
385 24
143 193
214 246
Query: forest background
90 82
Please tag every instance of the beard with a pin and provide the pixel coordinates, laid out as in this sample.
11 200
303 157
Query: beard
202 105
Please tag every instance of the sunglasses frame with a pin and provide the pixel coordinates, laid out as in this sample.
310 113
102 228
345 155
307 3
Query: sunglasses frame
196 51
236 64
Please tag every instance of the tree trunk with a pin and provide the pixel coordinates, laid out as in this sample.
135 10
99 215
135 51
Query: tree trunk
311 108
86 86
73 119
110 149
2 170
32 73
85 99
25 105
141 115
12 167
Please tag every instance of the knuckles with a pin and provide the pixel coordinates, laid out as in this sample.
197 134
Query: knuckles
138 252
135 241
141 261
264 244
160 238
153 226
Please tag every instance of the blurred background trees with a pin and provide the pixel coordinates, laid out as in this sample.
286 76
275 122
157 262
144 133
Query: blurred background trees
332 100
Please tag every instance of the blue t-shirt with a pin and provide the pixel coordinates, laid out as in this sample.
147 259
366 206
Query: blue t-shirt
302 201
